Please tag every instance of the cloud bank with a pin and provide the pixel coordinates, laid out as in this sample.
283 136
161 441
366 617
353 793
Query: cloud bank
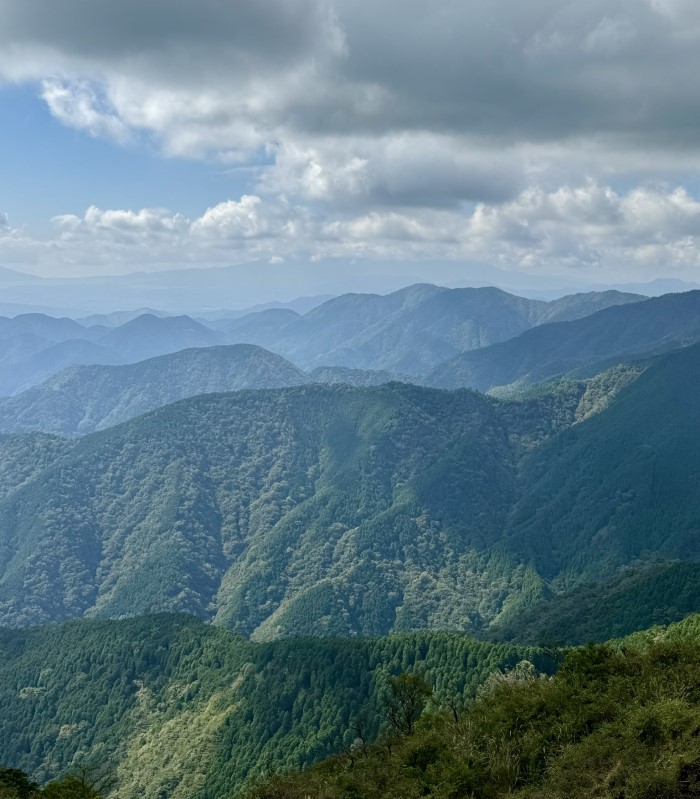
550 134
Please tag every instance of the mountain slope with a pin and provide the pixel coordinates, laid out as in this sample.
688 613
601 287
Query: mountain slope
183 709
408 331
611 335
331 510
268 509
148 336
87 398
618 721
621 485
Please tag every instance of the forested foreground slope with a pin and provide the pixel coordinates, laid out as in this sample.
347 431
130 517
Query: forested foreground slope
617 721
182 709
329 510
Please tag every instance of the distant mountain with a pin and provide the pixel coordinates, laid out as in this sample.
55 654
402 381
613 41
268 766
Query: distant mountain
148 336
117 318
33 347
87 398
608 336
402 333
46 327
331 510
263 327
300 305
198 290
10 277
38 366
408 331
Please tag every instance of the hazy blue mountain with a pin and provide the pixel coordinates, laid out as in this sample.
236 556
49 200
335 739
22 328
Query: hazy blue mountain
148 336
117 318
611 335
87 398
263 327
46 327
36 366
408 331
300 305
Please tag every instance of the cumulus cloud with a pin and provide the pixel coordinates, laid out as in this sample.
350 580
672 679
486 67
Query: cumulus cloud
365 97
589 226
501 130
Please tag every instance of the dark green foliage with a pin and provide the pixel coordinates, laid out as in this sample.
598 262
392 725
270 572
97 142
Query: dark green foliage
622 486
15 783
192 710
615 722
656 593
404 700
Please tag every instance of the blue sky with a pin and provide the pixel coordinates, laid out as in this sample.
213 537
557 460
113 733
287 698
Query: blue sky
49 169
550 137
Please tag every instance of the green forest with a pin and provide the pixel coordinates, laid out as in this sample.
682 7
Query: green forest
179 708
169 706
336 511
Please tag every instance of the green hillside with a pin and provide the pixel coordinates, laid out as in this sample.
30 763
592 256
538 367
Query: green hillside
87 398
182 709
330 510
616 722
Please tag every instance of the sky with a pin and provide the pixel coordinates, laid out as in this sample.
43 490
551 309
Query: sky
548 137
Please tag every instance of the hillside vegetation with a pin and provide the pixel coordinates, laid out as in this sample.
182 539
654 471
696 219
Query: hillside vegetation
178 708
329 510
616 721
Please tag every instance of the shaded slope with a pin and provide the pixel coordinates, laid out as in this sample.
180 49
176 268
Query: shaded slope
614 334
620 485
410 330
87 398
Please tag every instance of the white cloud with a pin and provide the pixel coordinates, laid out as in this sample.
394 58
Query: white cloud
496 131
390 103
610 234
79 106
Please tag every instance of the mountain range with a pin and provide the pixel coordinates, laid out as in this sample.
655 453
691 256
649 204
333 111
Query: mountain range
407 332
332 510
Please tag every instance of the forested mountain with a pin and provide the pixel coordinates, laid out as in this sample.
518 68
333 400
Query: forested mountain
338 510
83 399
616 721
87 398
186 710
609 336
148 336
408 331
181 709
